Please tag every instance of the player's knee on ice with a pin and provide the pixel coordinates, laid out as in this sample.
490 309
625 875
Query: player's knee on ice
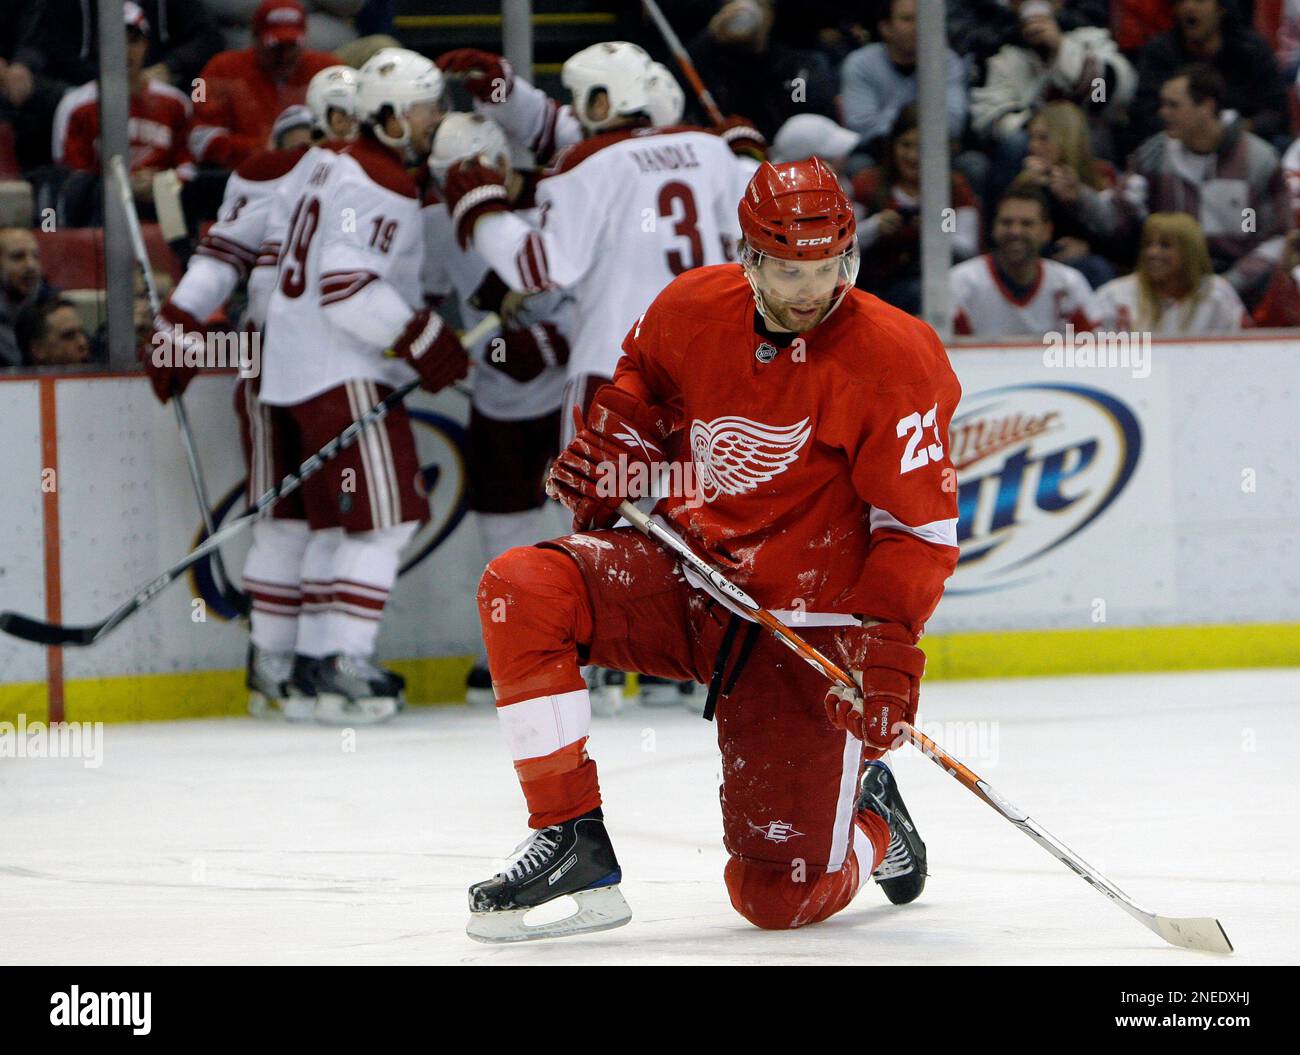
783 897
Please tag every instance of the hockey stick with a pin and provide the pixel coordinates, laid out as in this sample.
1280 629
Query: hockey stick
236 598
1205 934
684 62
44 633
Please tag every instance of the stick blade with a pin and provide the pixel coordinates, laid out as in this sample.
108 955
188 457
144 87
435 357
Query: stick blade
1204 934
43 633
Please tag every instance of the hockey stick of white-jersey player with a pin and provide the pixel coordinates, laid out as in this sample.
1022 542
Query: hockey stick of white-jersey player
1205 934
44 633
683 60
234 596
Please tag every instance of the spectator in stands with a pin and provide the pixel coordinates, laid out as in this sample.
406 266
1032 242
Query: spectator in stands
49 333
21 282
329 22
1134 22
1213 33
890 232
750 72
1227 178
1288 41
1280 305
245 90
878 80
1081 65
157 131
64 42
1061 164
809 135
977 29
1174 292
1013 290
295 127
57 47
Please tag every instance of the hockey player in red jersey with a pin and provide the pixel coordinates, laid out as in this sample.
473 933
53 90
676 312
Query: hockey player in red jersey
812 419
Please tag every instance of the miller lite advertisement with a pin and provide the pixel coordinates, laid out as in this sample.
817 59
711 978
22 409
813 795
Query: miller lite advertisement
1059 472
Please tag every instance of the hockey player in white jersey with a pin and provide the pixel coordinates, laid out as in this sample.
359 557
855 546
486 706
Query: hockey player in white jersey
345 327
225 256
518 379
621 214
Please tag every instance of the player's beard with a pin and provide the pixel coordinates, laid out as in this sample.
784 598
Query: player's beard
786 317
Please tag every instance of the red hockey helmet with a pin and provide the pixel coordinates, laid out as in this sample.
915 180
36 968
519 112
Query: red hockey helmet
797 211
799 246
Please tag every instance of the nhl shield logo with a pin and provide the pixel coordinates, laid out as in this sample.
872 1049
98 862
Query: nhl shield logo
765 352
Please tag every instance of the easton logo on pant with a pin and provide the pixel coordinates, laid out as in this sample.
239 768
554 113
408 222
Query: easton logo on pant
733 454
776 831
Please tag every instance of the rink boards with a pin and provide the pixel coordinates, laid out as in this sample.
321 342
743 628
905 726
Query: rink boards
1111 514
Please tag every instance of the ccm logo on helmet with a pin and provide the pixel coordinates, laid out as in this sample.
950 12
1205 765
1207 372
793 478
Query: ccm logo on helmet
813 241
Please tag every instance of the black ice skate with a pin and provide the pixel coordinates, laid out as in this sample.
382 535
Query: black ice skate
299 705
268 681
478 687
901 874
353 690
576 859
664 692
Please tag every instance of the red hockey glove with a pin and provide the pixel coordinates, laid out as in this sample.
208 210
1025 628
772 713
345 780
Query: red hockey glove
593 473
473 190
428 344
487 77
744 139
888 666
523 353
163 356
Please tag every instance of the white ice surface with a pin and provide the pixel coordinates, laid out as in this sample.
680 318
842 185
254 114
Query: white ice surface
233 841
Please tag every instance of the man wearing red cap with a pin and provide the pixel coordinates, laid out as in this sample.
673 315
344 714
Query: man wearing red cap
808 421
158 127
244 91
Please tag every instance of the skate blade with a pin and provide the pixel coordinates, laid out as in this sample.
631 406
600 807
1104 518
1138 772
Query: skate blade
265 708
332 709
298 708
601 909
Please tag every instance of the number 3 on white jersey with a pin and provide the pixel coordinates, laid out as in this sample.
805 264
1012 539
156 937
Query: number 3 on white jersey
915 424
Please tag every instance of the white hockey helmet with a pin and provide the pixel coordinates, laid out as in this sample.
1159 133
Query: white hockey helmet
333 88
396 78
467 135
615 67
667 101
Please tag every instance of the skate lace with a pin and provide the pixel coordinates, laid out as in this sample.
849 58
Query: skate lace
533 852
897 862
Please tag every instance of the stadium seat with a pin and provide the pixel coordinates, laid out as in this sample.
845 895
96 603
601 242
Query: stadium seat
74 258
15 203
9 167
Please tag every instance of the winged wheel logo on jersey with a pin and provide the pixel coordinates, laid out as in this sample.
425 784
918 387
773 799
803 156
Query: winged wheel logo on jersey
734 455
